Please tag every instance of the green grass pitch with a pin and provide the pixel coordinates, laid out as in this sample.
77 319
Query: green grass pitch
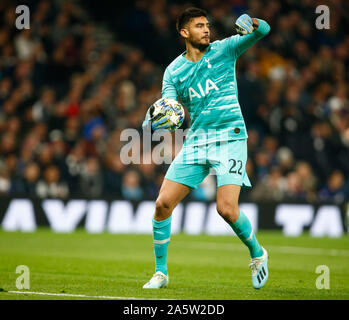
200 267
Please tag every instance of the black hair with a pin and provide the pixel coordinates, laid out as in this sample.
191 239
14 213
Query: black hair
187 15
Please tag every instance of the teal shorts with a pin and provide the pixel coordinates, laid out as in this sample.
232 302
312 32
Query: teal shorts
227 159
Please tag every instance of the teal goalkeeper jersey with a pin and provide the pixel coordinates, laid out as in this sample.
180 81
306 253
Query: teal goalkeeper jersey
208 89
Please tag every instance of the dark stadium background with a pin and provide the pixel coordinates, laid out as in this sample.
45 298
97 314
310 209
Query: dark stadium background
88 69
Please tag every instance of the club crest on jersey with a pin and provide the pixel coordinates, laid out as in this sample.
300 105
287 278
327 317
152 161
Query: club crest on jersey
209 65
210 85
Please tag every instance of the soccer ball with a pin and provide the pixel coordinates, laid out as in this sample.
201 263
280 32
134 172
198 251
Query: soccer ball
170 107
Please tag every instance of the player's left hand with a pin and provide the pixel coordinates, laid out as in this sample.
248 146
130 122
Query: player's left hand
244 24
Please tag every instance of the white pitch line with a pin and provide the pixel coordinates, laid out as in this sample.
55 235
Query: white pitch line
280 249
311 251
80 295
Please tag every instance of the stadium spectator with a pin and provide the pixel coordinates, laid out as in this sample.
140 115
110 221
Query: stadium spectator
335 188
27 186
307 180
294 187
51 186
131 186
271 187
91 178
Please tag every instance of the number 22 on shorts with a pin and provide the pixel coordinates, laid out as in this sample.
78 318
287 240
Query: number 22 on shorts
236 166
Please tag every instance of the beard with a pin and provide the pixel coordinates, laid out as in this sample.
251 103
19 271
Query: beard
199 46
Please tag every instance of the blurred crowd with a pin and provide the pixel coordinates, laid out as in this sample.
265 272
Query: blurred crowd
80 75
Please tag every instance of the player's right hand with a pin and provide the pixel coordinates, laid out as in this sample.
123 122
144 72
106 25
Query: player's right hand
244 24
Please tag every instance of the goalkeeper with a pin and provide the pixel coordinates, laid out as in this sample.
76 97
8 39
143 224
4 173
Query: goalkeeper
203 79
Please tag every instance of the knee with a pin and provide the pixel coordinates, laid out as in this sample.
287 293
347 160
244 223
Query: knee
162 204
229 211
163 208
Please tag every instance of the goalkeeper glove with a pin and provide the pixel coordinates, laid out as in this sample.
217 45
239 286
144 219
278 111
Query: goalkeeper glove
244 24
161 121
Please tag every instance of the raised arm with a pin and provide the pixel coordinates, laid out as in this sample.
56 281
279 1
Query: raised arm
243 41
250 31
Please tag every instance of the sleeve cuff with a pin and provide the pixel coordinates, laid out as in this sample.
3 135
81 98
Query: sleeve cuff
263 28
